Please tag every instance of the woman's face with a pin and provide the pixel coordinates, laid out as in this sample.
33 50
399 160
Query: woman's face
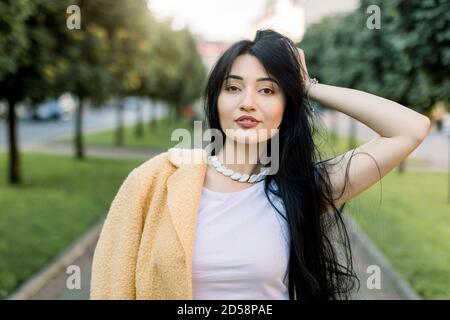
250 91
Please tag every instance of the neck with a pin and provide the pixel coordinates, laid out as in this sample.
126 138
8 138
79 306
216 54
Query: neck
241 157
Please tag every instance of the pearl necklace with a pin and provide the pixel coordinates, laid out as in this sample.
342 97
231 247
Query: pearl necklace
240 177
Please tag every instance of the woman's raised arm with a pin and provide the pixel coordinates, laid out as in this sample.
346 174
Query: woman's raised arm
401 131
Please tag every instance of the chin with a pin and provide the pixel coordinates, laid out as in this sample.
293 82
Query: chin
247 139
248 136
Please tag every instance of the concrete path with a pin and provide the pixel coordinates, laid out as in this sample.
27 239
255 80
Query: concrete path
56 288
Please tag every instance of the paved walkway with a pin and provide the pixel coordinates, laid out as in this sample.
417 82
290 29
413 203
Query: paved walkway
365 252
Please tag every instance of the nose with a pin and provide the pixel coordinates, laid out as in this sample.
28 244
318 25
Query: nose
248 103
246 107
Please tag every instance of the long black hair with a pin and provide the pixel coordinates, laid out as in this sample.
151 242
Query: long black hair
320 259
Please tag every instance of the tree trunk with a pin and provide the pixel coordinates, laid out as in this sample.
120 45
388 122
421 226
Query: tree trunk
139 121
448 173
119 128
79 145
152 116
402 166
177 112
172 113
334 127
14 160
352 134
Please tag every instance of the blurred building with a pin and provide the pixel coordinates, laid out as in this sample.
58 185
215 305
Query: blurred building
284 16
292 17
210 50
315 10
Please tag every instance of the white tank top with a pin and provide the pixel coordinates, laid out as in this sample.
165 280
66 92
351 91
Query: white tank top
241 247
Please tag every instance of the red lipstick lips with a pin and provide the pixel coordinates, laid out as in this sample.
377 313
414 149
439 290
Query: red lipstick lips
247 121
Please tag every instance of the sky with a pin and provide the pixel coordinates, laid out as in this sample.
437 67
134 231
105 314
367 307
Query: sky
230 20
213 19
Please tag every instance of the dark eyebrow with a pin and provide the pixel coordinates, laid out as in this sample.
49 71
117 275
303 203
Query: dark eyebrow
259 79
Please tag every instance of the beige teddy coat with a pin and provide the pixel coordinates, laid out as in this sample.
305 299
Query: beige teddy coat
145 246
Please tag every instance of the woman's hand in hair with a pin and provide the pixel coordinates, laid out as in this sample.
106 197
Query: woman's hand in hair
305 74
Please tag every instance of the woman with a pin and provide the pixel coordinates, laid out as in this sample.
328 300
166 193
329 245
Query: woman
224 229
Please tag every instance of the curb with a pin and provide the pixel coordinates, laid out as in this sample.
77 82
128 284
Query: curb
100 152
58 265
400 284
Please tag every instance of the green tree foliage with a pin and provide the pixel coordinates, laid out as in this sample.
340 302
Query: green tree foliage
406 59
13 46
423 32
119 51
32 73
180 81
13 39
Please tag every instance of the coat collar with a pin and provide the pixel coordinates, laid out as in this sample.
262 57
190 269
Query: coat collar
180 157
184 187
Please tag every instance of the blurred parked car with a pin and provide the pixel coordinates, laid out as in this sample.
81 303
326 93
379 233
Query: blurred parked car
49 110
53 109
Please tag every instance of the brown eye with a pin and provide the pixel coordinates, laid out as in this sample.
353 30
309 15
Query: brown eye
270 90
231 87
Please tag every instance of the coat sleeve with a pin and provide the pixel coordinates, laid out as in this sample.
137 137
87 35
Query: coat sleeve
115 256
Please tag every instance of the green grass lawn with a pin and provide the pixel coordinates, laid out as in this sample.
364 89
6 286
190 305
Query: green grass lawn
408 217
157 137
411 226
59 200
